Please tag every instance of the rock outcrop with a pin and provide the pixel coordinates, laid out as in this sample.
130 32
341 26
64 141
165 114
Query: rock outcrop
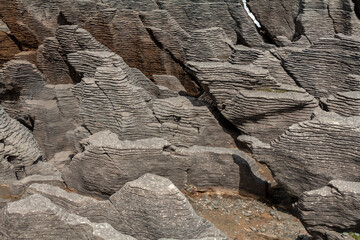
158 196
326 67
344 103
18 148
150 207
330 210
314 153
21 220
206 167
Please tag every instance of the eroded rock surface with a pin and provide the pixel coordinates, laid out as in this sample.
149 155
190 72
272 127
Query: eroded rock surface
315 152
114 160
330 210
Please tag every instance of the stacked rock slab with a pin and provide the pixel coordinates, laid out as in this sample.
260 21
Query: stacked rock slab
131 98
277 17
312 19
330 210
150 207
162 219
344 103
21 220
105 155
252 90
314 153
328 66
121 26
18 148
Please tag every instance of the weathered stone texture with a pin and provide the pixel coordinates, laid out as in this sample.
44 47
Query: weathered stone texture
314 153
331 210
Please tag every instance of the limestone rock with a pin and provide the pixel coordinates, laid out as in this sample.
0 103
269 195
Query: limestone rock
18 148
52 64
114 160
210 44
149 211
18 187
250 96
277 17
314 153
21 220
8 48
331 210
261 58
104 154
20 80
97 211
265 114
344 103
327 66
171 82
223 168
188 122
314 20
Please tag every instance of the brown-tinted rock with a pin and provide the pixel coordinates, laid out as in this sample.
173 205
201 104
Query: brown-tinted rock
8 48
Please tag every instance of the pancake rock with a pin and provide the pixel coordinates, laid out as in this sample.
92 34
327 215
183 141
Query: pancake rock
147 211
331 210
153 198
252 91
328 66
344 103
277 17
265 114
314 153
21 220
104 154
18 148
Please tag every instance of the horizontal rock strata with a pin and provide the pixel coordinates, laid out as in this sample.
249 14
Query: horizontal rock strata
315 152
344 103
330 210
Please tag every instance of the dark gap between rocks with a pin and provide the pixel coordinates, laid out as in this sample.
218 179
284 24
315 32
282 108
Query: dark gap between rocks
262 30
16 41
357 8
177 61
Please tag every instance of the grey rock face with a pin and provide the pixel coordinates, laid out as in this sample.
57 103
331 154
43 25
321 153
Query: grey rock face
327 67
248 93
158 196
105 154
18 148
331 210
210 44
97 211
314 153
188 122
113 159
51 63
171 82
277 17
150 201
20 79
21 220
344 103
266 115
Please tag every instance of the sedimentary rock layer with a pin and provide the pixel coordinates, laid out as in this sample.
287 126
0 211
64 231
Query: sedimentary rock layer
330 210
314 153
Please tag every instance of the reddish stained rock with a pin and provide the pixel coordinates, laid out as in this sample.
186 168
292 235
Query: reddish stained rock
7 48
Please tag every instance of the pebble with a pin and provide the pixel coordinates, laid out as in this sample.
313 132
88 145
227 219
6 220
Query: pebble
272 213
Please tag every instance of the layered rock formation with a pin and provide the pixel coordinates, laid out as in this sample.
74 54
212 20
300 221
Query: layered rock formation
315 152
331 209
104 154
150 207
95 94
